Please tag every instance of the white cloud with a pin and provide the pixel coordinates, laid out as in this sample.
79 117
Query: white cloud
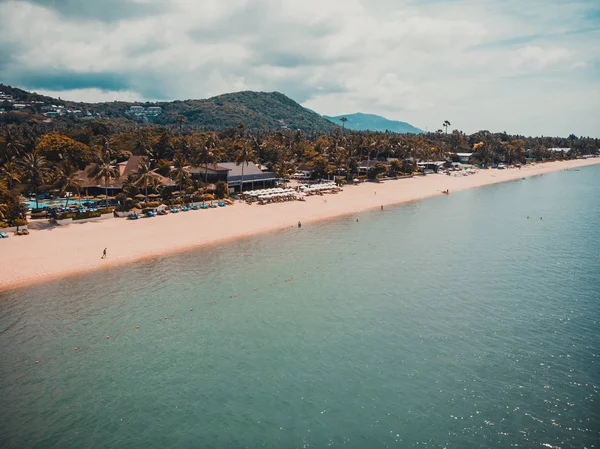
474 62
540 58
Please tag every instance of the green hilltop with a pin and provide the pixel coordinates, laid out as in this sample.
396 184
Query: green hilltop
256 110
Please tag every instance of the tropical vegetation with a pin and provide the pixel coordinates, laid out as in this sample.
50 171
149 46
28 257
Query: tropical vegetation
50 156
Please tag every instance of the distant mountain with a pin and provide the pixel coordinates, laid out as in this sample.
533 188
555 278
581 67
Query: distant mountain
371 122
257 110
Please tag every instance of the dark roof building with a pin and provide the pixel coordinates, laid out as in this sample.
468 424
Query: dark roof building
126 168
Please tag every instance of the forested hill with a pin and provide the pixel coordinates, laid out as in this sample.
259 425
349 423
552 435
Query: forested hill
271 110
372 122
256 110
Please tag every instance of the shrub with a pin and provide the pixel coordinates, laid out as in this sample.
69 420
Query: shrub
65 215
149 205
221 190
88 214
3 224
206 197
38 215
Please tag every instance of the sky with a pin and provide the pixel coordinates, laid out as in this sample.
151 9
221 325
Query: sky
527 67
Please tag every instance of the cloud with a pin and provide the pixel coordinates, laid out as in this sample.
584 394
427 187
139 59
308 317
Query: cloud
103 10
417 61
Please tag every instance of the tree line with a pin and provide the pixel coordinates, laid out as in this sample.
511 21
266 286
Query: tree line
37 157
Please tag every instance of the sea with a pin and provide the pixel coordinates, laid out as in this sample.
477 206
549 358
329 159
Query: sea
462 321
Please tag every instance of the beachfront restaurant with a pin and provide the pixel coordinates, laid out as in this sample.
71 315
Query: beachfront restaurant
431 166
254 177
231 173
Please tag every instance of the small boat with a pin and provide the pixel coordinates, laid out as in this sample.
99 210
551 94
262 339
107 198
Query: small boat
204 206
133 216
184 209
150 214
212 204
194 207
221 204
162 212
174 210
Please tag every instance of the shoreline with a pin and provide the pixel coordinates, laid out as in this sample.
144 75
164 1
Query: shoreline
61 252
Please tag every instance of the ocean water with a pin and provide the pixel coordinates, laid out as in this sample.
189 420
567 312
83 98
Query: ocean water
455 322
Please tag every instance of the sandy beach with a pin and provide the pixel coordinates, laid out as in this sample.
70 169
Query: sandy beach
77 248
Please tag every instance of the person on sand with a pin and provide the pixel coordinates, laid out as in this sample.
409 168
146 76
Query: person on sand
382 207
104 254
299 225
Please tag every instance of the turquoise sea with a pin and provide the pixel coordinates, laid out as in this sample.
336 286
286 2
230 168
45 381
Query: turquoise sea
455 322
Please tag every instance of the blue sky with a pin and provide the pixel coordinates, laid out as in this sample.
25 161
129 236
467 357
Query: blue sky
530 67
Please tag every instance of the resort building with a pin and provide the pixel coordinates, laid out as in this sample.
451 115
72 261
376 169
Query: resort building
211 173
365 166
93 186
231 173
464 157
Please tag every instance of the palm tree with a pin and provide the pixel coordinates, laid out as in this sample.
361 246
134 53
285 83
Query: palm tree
103 170
207 155
244 154
35 171
67 180
446 124
343 120
144 175
130 188
181 120
11 174
11 147
179 165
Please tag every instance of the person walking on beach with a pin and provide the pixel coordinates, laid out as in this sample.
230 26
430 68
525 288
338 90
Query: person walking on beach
299 225
104 254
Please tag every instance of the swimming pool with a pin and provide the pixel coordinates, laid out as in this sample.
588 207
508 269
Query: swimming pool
58 202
